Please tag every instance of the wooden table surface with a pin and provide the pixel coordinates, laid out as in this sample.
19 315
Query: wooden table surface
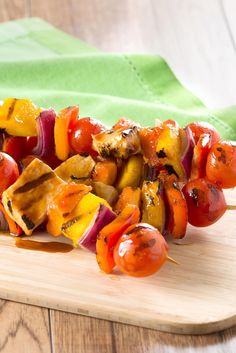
198 39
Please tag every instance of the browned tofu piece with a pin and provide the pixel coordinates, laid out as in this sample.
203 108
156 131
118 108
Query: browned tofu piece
77 168
117 143
26 200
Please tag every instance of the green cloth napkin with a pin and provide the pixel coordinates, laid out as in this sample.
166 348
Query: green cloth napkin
40 62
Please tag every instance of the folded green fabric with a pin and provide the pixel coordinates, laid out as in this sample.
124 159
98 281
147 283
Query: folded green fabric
40 62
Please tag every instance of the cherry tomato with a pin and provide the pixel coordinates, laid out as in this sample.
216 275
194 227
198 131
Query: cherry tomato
24 162
51 160
199 128
221 164
14 146
30 143
206 202
200 154
8 171
141 251
81 135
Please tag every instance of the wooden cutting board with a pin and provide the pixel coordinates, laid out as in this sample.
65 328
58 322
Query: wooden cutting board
196 297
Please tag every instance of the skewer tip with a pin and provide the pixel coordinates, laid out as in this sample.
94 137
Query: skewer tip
170 259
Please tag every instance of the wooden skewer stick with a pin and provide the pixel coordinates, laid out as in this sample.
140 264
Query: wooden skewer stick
231 207
170 259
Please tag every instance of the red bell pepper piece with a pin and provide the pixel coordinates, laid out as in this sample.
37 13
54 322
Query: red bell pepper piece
111 233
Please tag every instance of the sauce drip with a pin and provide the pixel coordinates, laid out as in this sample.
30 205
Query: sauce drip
51 246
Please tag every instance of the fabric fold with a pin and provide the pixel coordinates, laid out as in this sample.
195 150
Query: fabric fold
54 69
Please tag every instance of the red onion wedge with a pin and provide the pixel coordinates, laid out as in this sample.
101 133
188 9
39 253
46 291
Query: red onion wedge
102 217
188 143
45 129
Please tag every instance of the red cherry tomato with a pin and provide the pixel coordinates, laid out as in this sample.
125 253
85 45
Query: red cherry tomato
221 164
206 202
81 135
24 162
200 154
199 128
141 251
8 171
14 146
30 143
51 160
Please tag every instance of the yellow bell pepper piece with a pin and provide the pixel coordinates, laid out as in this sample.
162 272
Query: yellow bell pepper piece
131 173
67 198
168 150
61 129
18 117
78 221
153 205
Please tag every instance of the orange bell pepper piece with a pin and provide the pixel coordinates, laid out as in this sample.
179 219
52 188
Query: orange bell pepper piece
63 204
111 233
178 210
14 228
148 140
170 123
124 123
129 196
64 121
105 172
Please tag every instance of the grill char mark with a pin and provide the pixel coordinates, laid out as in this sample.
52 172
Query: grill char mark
11 109
34 183
28 222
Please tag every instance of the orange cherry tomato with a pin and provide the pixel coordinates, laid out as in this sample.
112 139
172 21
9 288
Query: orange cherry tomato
141 251
9 171
206 202
111 233
221 164
199 128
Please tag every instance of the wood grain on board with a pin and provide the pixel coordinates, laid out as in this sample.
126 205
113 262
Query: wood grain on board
195 297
